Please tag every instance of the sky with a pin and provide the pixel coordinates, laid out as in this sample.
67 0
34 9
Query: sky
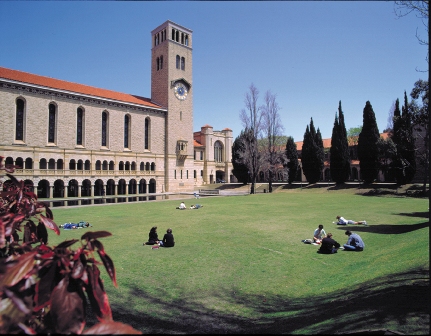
310 54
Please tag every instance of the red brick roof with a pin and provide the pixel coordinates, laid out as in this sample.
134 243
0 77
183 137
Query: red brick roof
25 77
327 142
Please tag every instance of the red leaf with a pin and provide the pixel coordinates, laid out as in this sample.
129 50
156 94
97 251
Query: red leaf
66 243
44 286
18 268
78 269
97 296
49 223
111 327
67 308
109 265
94 235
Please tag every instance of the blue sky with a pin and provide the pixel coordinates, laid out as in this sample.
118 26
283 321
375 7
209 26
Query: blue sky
312 54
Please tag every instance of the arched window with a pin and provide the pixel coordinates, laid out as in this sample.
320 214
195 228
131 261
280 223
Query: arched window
126 131
28 163
105 165
173 35
187 40
60 164
183 63
147 134
87 165
104 129
80 165
51 123
218 152
153 166
72 164
19 126
177 36
51 164
142 166
79 125
178 62
98 165
42 164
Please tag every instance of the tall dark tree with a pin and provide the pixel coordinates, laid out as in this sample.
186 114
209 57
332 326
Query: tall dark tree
240 170
404 163
292 160
368 154
339 151
312 154
420 115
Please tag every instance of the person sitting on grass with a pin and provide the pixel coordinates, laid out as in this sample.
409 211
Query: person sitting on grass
328 245
354 242
342 221
153 237
168 239
182 206
319 234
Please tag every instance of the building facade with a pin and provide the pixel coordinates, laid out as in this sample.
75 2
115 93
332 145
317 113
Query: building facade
73 140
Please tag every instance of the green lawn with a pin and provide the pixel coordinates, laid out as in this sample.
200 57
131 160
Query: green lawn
239 265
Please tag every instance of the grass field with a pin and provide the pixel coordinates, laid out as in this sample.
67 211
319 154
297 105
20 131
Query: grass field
239 265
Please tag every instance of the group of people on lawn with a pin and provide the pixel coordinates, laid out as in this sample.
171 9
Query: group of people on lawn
167 241
328 245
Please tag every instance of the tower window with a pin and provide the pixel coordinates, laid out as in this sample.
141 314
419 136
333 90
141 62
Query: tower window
183 63
104 129
161 62
147 134
51 123
19 132
126 130
178 62
79 125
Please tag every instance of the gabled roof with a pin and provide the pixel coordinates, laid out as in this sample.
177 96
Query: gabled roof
57 84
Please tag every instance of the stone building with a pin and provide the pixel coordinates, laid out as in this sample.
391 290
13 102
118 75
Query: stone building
74 140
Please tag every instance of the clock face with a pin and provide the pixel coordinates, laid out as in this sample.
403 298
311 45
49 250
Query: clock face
180 91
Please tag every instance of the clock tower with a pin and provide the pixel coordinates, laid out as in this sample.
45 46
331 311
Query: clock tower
171 87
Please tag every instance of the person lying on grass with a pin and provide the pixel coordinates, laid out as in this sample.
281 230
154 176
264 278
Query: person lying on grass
343 221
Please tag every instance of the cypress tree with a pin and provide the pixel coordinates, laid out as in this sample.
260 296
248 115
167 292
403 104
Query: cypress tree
292 156
367 145
339 151
312 154
240 170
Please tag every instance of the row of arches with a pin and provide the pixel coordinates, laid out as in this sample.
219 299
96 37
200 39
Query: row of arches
73 188
73 164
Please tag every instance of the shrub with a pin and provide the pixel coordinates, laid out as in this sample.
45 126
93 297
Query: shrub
46 289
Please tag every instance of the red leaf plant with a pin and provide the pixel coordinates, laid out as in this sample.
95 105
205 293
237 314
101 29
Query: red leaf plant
45 289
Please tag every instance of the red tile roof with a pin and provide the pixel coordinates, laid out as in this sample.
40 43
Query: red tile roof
327 142
25 77
197 144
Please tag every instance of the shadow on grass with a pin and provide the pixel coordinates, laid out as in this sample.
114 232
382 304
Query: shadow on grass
384 228
424 214
401 300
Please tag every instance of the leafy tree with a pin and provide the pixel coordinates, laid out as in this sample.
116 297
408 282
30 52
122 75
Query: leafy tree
272 129
312 154
339 151
420 118
247 154
367 145
251 118
405 160
240 170
44 290
353 135
292 160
